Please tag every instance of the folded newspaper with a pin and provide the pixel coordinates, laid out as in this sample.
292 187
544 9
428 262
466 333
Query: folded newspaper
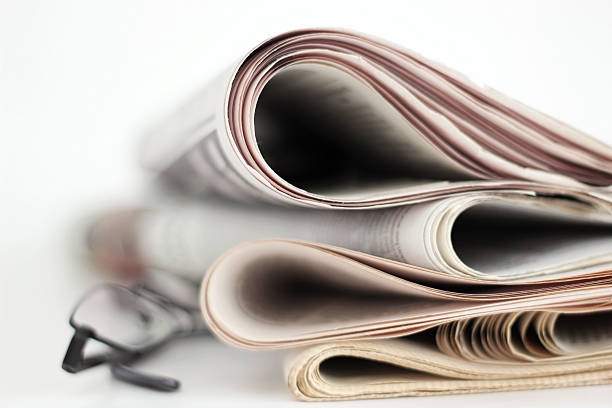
510 291
483 263
331 118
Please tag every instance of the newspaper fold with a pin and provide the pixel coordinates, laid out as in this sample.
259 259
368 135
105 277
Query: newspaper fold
281 294
331 118
531 351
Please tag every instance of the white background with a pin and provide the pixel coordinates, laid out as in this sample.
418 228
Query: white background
79 81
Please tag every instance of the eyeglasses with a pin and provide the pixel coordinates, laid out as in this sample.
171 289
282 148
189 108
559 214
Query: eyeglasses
133 323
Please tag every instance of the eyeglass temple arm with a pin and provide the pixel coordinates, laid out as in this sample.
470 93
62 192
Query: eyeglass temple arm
129 375
74 360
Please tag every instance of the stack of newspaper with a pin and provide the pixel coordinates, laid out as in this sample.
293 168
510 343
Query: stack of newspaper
398 228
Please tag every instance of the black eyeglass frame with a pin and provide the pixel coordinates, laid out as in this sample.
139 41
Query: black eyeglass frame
121 356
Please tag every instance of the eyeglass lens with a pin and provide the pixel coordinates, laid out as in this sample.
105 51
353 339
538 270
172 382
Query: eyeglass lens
125 318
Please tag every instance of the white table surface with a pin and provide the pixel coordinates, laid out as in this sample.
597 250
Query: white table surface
80 80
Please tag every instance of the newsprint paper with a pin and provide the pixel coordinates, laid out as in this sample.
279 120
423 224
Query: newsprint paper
398 228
